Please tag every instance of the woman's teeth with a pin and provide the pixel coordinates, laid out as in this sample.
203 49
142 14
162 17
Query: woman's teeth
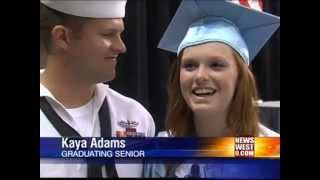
204 92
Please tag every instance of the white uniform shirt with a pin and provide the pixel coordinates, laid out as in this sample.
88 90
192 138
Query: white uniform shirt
121 108
83 118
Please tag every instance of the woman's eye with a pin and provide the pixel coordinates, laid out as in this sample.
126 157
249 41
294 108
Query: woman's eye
189 66
217 65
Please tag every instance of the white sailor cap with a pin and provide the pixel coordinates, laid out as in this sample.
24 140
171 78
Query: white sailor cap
89 8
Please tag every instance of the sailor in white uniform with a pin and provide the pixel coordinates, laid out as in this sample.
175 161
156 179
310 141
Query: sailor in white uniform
73 99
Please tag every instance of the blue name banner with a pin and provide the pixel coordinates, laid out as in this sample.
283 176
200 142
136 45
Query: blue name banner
216 157
117 148
144 148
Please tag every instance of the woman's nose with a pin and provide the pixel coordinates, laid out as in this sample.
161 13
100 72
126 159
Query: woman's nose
202 74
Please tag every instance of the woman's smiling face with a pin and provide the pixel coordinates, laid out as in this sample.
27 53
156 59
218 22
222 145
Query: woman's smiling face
208 77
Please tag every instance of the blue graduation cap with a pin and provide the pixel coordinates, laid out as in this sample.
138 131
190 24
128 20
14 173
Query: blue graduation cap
200 21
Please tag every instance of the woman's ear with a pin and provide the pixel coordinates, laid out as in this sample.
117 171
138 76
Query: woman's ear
60 37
